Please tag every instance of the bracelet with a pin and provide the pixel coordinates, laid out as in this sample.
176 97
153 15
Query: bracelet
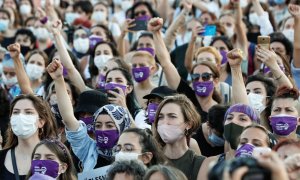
44 20
278 77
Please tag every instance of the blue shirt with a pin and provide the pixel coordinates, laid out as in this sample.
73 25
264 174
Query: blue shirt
83 146
296 74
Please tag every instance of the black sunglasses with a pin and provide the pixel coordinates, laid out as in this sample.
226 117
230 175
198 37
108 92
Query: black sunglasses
205 76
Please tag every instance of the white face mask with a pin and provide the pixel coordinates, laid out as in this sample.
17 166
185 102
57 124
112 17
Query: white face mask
243 3
82 45
70 17
126 156
23 125
25 9
41 33
117 2
125 5
253 18
101 60
289 34
98 16
256 102
1 68
224 2
4 23
9 82
229 32
34 71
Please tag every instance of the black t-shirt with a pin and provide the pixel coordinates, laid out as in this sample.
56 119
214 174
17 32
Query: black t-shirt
206 149
4 173
7 41
184 88
178 56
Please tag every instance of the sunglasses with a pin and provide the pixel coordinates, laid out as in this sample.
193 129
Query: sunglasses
9 73
140 12
205 76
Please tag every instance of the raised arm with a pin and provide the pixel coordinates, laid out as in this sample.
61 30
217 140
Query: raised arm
264 22
269 58
55 70
172 76
121 43
23 80
239 93
178 22
189 54
241 37
162 7
66 60
295 12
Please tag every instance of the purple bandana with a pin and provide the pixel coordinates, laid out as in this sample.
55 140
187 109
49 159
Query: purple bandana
243 108
152 107
106 139
224 56
244 150
94 39
88 121
283 125
112 86
140 74
203 89
46 167
101 82
147 49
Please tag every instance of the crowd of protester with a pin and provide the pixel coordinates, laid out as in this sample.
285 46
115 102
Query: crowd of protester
149 89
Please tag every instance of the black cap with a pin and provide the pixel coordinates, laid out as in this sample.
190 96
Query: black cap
90 101
160 92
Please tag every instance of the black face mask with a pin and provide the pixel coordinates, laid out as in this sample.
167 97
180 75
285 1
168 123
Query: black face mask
231 133
25 50
252 37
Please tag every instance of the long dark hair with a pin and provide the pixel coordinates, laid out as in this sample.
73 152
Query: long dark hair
149 144
62 153
131 101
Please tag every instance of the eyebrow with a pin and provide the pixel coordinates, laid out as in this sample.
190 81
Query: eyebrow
257 89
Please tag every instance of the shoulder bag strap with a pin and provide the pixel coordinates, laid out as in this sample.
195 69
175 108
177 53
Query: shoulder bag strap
14 163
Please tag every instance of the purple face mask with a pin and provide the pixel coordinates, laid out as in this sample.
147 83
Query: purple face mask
88 121
203 89
152 107
101 82
106 139
94 39
143 18
244 150
148 49
65 71
140 74
46 167
224 56
283 125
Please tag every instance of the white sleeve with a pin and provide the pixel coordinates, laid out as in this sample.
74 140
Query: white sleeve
265 25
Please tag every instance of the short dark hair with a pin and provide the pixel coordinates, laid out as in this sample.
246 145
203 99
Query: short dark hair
267 82
216 116
279 37
145 3
224 39
132 167
28 33
86 6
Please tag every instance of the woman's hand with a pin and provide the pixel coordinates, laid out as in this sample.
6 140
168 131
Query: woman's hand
294 10
55 69
14 51
155 24
269 58
127 25
235 58
119 98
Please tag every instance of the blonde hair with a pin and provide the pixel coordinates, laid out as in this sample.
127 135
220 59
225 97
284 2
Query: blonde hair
146 54
211 50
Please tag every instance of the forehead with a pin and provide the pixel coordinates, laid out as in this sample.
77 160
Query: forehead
129 138
219 43
141 8
43 149
3 15
115 74
202 69
140 59
97 29
103 47
24 103
22 36
146 39
289 21
79 32
277 45
99 6
103 118
284 102
226 19
37 57
254 133
255 85
171 107
8 69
